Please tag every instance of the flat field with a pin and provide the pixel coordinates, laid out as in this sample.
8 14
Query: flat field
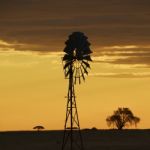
93 140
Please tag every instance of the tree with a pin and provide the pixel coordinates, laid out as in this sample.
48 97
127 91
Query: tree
121 118
38 128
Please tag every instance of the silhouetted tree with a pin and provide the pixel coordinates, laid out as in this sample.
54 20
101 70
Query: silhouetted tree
121 118
38 128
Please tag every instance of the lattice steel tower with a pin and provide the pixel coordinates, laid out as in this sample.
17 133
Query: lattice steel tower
75 64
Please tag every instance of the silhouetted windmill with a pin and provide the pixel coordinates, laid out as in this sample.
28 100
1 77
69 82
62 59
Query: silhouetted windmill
75 60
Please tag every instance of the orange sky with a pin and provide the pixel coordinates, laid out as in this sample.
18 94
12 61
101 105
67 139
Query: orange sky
32 84
33 91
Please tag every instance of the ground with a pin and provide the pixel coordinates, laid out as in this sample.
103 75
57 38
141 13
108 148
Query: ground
93 140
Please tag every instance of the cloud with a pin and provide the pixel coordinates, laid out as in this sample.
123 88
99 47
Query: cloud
6 44
125 55
122 75
47 23
133 60
118 30
3 43
121 47
29 59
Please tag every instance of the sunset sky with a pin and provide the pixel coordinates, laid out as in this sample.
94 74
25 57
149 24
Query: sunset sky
32 83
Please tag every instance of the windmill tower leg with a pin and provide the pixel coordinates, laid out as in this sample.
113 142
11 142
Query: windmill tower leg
72 139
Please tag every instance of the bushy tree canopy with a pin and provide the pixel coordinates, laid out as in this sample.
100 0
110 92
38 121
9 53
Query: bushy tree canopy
121 118
38 128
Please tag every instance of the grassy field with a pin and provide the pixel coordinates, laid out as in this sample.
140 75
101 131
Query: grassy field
93 140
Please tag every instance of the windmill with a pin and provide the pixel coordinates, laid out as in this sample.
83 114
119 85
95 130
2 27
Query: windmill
75 65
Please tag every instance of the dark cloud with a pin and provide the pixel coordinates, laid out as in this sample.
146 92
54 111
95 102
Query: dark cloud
138 55
47 23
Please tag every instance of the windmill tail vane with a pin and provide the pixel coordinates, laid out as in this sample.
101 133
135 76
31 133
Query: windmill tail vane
75 65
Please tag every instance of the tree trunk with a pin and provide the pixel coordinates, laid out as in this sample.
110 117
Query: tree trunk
120 127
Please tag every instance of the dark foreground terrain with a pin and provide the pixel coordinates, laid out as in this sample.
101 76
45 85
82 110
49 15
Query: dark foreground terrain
93 140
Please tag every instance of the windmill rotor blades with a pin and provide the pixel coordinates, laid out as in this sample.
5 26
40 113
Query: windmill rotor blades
86 64
79 81
67 57
75 80
77 55
82 74
67 64
85 70
69 70
87 57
